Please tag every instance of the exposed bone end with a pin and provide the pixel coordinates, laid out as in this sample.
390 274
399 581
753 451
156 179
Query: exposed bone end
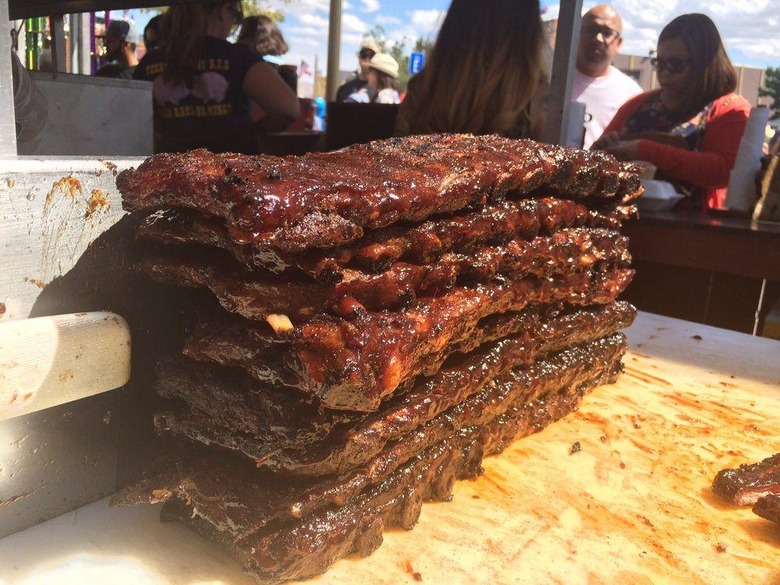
280 323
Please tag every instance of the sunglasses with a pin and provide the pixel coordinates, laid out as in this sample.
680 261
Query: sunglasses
672 65
366 54
609 35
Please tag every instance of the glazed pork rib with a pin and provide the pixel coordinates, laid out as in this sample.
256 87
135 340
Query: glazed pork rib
296 535
298 439
277 498
234 342
768 507
747 483
353 364
424 243
254 293
430 417
325 199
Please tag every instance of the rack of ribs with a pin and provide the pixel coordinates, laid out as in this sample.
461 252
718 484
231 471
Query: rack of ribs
322 200
377 250
380 319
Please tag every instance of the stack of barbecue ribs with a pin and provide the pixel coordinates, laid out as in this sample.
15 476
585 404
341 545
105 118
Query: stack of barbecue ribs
387 315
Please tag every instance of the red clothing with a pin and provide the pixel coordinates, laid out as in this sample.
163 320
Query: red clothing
707 168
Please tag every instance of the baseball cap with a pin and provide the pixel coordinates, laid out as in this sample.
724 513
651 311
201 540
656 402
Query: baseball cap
384 63
124 30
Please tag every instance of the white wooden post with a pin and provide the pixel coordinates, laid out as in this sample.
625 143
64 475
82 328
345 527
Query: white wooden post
58 53
334 49
564 61
7 111
81 57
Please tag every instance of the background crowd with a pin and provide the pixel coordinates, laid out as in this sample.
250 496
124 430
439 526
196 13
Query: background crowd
488 72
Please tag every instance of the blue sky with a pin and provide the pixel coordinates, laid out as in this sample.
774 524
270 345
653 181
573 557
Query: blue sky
750 28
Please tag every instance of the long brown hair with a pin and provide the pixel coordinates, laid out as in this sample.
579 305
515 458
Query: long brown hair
383 81
483 72
713 74
184 28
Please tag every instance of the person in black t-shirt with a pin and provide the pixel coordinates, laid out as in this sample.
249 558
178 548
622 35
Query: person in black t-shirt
201 82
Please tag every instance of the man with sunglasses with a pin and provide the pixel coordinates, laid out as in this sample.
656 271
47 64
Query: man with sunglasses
367 50
597 84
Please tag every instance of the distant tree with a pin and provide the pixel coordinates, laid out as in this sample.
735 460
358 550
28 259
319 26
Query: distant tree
771 88
258 7
379 36
248 7
423 45
398 52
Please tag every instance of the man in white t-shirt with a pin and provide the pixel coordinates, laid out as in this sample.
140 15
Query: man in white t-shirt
597 84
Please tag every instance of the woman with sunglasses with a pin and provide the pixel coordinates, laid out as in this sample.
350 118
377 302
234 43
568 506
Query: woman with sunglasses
691 127
202 83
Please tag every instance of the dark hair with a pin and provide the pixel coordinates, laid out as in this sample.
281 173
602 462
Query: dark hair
482 74
184 28
248 28
269 41
154 26
713 74
383 81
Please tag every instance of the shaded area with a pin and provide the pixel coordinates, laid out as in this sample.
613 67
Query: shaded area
61 458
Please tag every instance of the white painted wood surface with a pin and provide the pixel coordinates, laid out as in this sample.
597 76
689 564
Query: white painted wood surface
96 116
52 210
48 361
559 108
63 245
634 506
7 108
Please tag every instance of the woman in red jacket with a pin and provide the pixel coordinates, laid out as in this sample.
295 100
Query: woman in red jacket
689 129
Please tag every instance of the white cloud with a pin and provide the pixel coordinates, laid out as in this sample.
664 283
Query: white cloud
351 23
370 5
308 31
306 25
306 42
314 20
300 7
352 39
551 13
427 21
417 24
749 27
391 20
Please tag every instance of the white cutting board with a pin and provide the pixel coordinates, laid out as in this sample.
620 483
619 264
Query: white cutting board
632 507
